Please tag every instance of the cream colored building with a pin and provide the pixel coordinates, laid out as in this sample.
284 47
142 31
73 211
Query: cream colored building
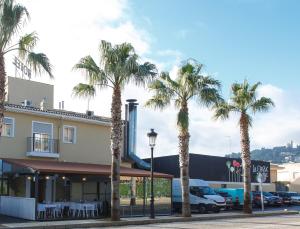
52 154
59 135
289 176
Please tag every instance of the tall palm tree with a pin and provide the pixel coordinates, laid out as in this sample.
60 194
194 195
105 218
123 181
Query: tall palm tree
12 18
189 84
119 65
243 101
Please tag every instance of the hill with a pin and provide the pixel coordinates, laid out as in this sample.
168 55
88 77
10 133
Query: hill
278 154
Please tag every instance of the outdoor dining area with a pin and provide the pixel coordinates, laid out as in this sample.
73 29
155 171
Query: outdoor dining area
54 190
58 210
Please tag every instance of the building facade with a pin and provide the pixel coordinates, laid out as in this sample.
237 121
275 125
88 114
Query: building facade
52 155
219 172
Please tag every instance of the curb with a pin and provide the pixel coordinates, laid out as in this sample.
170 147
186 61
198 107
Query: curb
152 221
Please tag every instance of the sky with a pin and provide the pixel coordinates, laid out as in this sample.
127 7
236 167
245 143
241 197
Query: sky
257 40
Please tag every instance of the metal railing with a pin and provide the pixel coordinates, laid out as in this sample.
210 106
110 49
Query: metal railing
43 145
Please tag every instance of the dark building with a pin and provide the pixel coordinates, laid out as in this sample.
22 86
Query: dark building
221 171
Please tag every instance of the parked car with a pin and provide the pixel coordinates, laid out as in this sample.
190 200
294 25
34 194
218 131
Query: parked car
228 199
295 197
286 198
256 201
273 200
202 197
269 199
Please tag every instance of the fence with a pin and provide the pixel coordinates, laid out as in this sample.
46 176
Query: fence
19 207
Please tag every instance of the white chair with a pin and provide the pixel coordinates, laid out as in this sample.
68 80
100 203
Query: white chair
72 209
80 210
41 209
90 208
58 210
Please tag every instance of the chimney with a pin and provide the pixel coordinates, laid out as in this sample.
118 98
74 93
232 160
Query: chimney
132 125
61 105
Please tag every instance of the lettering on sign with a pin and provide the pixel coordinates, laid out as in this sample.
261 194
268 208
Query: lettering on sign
260 169
21 69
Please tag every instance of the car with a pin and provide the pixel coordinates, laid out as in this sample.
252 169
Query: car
256 201
286 198
295 197
228 199
273 200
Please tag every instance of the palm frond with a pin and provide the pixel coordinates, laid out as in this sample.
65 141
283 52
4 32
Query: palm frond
262 105
145 74
39 62
158 102
27 43
84 90
92 71
12 17
222 110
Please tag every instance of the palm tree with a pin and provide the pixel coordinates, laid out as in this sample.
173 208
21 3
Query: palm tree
12 18
244 100
119 65
189 84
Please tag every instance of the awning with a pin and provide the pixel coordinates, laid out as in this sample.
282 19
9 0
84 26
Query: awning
44 166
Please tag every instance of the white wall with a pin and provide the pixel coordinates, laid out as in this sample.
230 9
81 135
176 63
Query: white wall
18 207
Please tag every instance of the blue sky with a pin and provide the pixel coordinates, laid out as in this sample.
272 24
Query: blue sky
234 39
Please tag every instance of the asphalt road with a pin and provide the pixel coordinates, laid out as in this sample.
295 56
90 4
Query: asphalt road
286 222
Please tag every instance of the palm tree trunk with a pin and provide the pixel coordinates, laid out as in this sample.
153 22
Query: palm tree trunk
116 138
184 137
245 146
2 90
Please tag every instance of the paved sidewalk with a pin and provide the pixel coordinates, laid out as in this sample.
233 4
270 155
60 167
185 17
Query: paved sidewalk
138 220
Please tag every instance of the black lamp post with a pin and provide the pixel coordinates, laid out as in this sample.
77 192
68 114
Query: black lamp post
152 138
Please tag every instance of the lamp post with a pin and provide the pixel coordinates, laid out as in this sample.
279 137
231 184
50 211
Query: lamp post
152 138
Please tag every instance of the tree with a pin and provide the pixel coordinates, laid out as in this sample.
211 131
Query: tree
244 100
119 65
12 18
189 84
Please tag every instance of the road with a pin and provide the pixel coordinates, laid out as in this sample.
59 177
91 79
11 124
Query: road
286 222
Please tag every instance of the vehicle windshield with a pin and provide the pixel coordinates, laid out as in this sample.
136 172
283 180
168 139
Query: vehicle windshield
292 194
267 194
201 191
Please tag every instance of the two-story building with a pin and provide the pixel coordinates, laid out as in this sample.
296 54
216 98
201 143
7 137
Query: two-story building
54 163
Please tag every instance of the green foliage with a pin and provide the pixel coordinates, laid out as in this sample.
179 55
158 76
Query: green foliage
118 66
243 100
162 188
12 18
189 84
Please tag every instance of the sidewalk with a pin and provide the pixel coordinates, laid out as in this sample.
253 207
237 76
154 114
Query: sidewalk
138 220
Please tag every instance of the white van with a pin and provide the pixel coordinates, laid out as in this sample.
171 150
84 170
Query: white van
202 197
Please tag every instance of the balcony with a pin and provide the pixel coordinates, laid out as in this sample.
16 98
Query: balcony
42 147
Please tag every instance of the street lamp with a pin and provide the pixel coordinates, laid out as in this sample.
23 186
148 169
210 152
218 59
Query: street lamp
152 138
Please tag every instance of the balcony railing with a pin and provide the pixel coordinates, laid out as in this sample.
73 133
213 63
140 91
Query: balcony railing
42 147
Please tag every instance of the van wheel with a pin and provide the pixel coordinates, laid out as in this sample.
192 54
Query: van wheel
217 210
202 209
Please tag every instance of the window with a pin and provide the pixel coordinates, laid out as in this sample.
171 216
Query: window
69 134
8 127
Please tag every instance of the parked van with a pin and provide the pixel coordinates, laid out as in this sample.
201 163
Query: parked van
202 197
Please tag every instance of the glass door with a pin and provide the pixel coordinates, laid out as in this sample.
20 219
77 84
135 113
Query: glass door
41 142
